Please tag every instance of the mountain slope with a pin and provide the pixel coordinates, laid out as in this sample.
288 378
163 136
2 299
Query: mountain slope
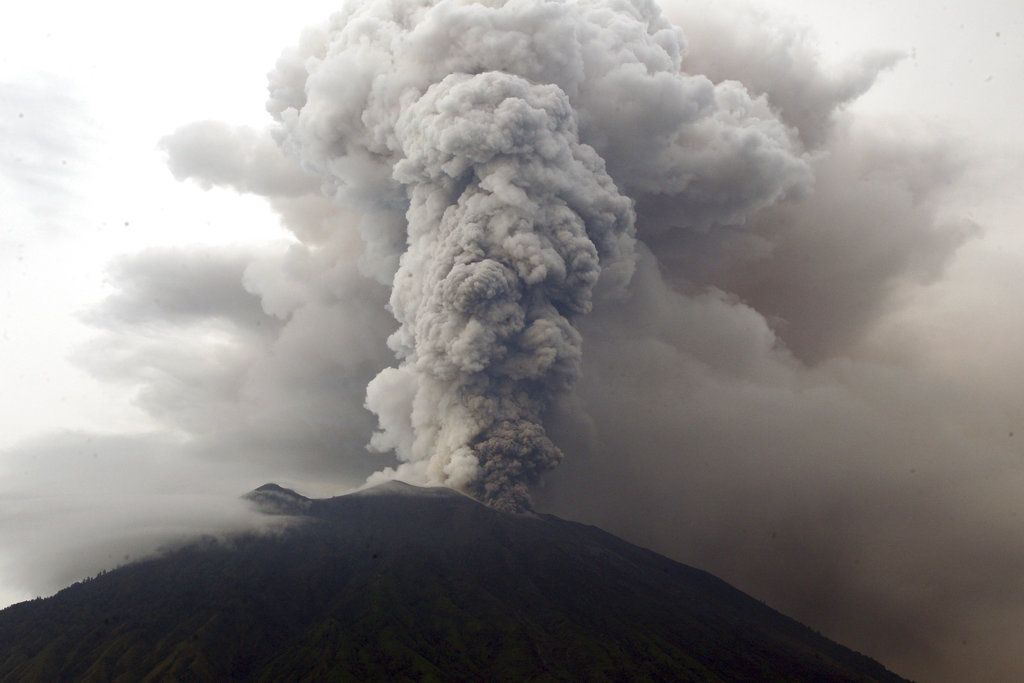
402 583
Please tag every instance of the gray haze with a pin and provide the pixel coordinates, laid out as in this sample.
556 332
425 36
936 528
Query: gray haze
801 377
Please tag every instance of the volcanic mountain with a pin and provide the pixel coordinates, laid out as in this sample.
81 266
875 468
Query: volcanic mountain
405 583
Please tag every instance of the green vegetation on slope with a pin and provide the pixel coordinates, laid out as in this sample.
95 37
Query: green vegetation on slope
414 588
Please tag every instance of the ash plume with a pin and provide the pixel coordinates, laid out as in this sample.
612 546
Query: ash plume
510 221
508 132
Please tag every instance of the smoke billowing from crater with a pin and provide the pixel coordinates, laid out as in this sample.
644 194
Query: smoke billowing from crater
507 131
510 223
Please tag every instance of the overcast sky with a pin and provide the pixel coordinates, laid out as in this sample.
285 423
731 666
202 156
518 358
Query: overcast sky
88 92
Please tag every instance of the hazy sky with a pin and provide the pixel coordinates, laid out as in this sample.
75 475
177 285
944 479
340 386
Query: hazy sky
88 93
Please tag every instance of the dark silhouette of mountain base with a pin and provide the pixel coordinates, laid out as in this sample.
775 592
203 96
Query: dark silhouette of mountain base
402 583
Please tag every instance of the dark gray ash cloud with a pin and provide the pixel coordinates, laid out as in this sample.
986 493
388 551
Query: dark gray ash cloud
492 127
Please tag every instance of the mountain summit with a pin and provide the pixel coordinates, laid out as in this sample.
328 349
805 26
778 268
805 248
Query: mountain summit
399 582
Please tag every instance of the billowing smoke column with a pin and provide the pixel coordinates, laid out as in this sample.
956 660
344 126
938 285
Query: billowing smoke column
498 127
510 219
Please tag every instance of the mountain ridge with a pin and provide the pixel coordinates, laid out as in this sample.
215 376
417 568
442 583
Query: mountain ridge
413 584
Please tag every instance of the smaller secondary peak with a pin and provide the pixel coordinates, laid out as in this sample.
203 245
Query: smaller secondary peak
274 488
273 499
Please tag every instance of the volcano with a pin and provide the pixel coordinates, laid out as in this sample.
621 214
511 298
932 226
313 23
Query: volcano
406 583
